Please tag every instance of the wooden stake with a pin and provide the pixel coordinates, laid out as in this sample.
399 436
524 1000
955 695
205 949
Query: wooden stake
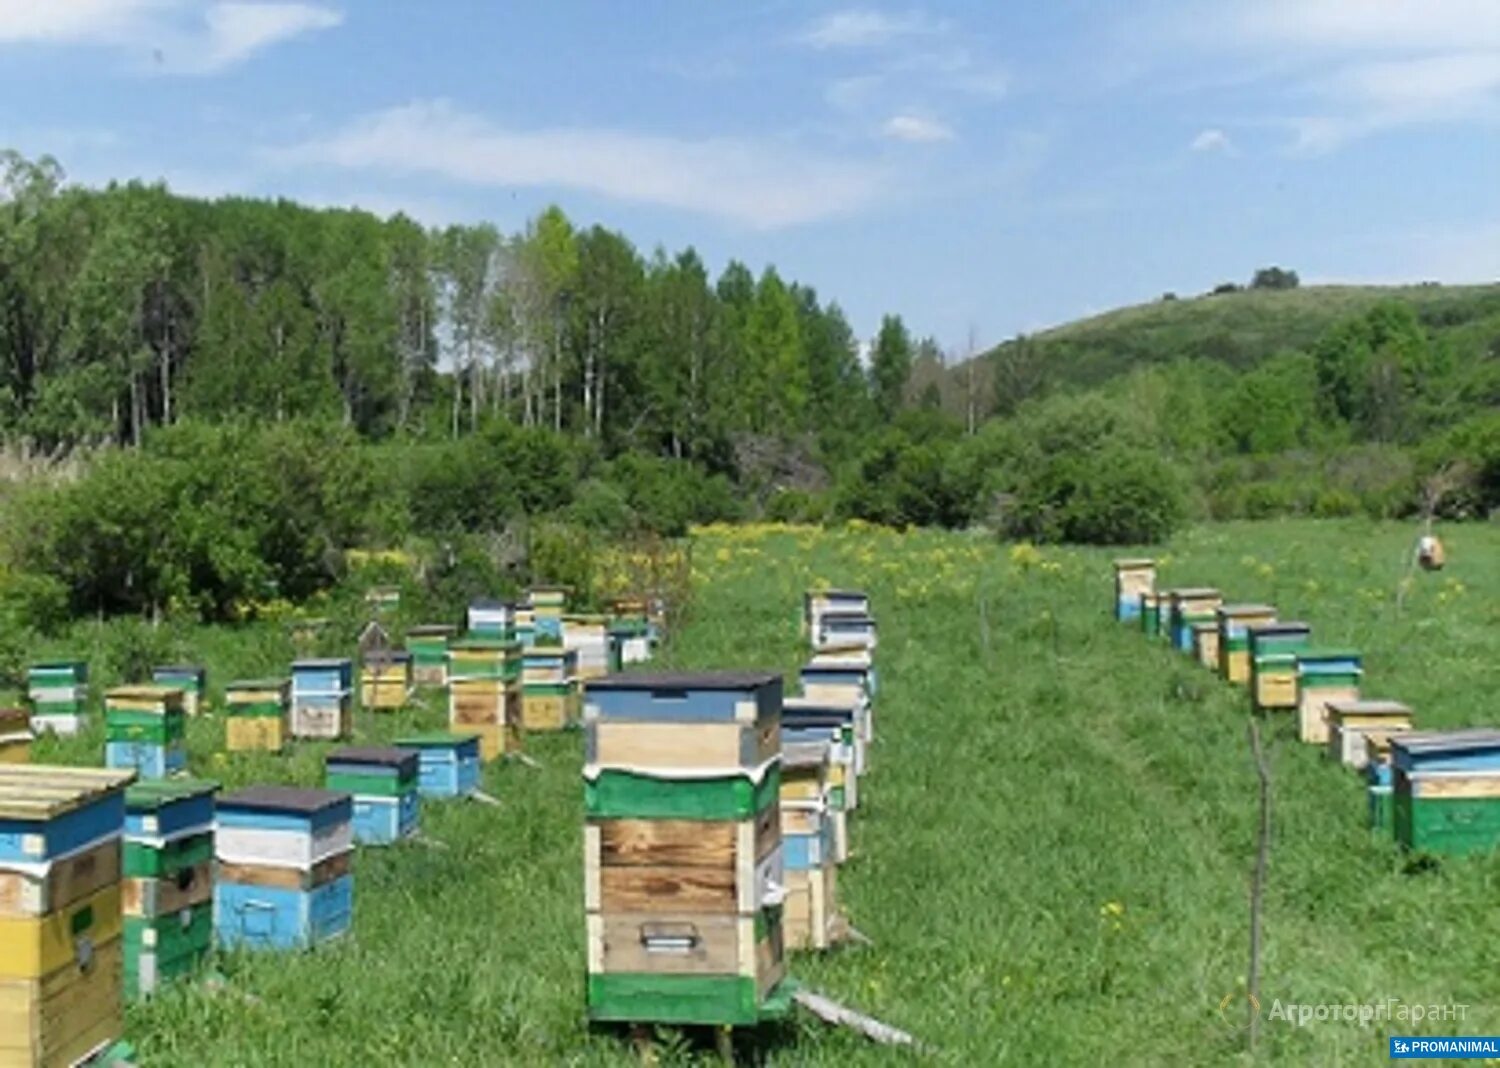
484 798
724 1043
524 759
831 1012
645 1048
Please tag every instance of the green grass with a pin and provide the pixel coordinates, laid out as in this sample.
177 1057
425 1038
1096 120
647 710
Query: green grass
1052 852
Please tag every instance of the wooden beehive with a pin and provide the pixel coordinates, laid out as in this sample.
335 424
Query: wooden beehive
547 605
1235 621
683 871
845 630
1324 676
811 916
385 681
490 619
1206 644
1352 724
1447 790
322 699
145 730
816 603
1150 613
255 714
1132 578
1197 604
551 698
57 691
61 923
382 780
191 679
587 637
447 763
1273 664
428 645
484 694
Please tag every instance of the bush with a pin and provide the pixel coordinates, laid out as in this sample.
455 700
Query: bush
1111 496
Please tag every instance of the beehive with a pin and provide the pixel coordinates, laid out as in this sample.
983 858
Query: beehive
1380 780
484 694
547 605
191 679
1273 664
1150 614
385 681
255 714
490 619
1197 604
847 680
1324 675
1447 790
630 642
1206 644
168 885
836 721
61 924
843 630
1132 578
58 693
428 645
551 700
322 699
1351 724
447 763
1235 621
15 736
587 637
382 780
816 603
383 600
145 730
811 917
284 877
683 860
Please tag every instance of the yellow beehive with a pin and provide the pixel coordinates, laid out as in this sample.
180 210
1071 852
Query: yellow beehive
385 682
15 736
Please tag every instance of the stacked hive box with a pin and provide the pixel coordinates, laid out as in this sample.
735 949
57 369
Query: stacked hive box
1206 644
58 692
1235 621
385 681
523 627
1190 606
1380 779
1323 675
587 637
428 646
321 699
547 604
846 676
806 720
632 621
168 886
447 764
1150 614
284 868
811 917
817 603
383 783
15 736
490 619
255 715
1273 664
484 694
1352 725
550 694
146 730
190 679
683 859
1447 790
60 919
1132 578
383 600
844 630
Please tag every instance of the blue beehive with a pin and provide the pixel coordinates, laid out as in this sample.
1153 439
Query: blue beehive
282 918
148 760
841 630
383 782
447 764
322 698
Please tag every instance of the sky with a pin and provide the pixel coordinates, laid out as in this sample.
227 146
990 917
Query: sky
981 168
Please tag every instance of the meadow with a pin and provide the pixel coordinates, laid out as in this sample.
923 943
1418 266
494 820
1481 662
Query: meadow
1052 856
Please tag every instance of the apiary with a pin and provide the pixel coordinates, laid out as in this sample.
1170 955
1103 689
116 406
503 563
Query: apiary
145 730
284 875
683 870
428 645
385 681
255 714
168 885
58 693
1273 664
485 696
382 780
1352 724
1132 578
1447 790
1323 676
1235 621
61 921
322 699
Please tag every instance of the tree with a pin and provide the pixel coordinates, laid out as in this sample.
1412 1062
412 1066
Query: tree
777 392
890 365
1274 278
1020 372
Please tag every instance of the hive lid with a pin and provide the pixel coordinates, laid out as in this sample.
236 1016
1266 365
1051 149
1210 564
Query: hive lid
1127 563
256 684
151 794
324 662
820 704
376 756
299 800
141 692
1327 654
1280 626
1234 610
1194 591
836 616
1447 741
1372 708
433 739
844 594
177 669
484 645
489 604
709 680
42 791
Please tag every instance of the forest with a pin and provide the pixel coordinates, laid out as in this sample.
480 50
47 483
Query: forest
287 382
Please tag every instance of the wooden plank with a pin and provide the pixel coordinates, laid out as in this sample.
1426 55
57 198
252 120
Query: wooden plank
68 880
334 867
1444 786
667 890
685 944
672 843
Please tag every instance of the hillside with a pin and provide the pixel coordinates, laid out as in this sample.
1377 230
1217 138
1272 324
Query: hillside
1239 328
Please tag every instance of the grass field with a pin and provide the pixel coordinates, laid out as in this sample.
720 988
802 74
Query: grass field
1052 853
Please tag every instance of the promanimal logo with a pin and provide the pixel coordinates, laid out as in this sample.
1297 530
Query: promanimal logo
1236 1010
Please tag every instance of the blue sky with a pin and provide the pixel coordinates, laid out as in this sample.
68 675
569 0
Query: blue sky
978 167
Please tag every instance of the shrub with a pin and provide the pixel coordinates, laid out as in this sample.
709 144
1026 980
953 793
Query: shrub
1111 496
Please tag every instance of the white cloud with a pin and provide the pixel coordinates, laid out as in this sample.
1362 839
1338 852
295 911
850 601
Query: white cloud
1380 25
184 36
916 128
866 28
760 184
1213 140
